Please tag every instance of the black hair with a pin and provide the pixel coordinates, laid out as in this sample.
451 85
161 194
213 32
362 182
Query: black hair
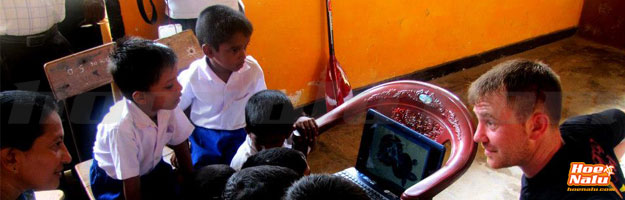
260 182
23 117
136 64
269 112
325 187
284 157
209 181
217 24
524 83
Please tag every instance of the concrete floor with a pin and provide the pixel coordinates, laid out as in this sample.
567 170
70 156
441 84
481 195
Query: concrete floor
593 79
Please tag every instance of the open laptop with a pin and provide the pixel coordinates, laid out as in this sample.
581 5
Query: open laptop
392 157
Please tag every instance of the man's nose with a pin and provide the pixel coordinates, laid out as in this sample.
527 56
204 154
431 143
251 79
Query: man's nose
480 134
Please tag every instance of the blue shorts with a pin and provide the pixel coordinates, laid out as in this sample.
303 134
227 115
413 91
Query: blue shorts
210 146
160 183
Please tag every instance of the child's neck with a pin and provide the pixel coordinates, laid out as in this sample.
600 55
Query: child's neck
149 112
222 73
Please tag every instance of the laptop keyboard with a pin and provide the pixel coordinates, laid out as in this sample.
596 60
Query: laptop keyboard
374 195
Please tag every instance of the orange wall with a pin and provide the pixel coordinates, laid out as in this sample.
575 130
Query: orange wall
377 40
134 24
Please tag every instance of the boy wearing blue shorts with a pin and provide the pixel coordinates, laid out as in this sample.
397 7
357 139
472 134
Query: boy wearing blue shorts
127 154
217 86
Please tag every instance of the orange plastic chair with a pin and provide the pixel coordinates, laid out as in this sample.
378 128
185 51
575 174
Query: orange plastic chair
426 108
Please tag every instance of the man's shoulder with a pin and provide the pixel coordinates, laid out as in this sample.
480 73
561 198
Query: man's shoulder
605 127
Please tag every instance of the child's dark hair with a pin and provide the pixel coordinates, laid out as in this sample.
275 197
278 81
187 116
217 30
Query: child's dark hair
269 112
280 156
326 187
23 116
136 64
209 182
260 182
217 24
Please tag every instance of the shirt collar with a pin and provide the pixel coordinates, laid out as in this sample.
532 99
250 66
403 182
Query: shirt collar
142 120
210 75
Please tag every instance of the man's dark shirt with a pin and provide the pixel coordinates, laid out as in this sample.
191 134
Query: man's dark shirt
587 138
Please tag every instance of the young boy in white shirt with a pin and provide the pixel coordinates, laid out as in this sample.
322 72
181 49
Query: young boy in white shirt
270 123
127 154
218 85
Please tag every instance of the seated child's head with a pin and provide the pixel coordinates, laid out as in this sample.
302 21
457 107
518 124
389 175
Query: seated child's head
145 72
325 186
260 182
224 34
209 181
284 157
269 118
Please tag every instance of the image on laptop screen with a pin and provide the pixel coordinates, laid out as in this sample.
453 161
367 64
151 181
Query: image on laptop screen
395 154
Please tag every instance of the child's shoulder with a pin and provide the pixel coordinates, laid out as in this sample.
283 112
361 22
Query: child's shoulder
118 117
253 64
192 69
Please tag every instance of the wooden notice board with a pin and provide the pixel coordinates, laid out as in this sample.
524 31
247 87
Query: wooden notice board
87 70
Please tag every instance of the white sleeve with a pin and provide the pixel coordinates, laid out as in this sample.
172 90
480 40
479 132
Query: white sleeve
260 78
187 91
182 127
240 157
124 153
260 84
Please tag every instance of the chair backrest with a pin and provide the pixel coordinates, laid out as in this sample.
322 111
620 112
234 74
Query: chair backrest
426 108
86 70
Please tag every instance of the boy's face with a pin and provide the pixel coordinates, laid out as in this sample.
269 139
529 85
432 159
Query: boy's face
231 54
268 141
165 94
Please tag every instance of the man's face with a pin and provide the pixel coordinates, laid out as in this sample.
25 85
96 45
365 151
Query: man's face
503 137
165 94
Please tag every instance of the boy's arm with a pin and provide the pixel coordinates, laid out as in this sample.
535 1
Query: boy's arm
132 188
183 157
186 98
260 77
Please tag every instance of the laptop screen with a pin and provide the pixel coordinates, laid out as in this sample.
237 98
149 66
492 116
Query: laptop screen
394 155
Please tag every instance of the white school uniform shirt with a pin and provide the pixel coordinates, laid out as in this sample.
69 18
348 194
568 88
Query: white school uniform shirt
215 104
28 17
247 149
128 143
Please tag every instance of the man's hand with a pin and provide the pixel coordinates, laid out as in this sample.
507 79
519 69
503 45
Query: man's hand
93 11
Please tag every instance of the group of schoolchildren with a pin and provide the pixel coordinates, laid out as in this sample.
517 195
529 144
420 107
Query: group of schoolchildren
242 141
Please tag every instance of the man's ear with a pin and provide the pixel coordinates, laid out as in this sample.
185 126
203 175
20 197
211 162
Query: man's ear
10 159
537 125
208 50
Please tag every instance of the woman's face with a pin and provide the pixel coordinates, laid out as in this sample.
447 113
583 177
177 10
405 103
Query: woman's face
41 166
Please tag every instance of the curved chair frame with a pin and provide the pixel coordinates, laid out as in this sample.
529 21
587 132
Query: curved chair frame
428 109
